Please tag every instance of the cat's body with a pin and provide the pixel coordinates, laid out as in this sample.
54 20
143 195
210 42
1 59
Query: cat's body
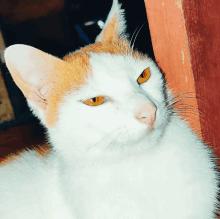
123 155
170 181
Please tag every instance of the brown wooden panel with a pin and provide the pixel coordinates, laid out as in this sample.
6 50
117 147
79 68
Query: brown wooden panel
203 30
169 38
186 42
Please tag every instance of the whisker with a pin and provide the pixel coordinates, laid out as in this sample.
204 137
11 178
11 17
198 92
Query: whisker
187 118
186 108
188 111
184 111
194 128
194 96
173 97
106 137
177 105
183 93
179 96
112 143
176 102
137 34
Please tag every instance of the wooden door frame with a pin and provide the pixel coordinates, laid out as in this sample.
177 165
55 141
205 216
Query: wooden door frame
186 42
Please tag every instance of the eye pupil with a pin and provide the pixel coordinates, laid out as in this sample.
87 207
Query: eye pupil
95 101
144 76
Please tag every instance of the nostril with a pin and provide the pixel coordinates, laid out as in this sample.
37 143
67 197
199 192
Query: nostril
146 114
149 120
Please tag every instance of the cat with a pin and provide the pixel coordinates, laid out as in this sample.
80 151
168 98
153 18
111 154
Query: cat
118 150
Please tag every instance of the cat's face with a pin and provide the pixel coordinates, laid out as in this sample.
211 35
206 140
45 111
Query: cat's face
129 112
103 99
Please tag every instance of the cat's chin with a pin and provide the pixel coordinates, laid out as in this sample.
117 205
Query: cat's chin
136 140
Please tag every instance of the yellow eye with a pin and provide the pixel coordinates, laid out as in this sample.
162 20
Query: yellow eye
95 101
144 76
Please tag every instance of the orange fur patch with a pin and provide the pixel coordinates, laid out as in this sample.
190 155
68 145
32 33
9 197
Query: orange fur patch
111 31
116 47
72 74
70 77
42 150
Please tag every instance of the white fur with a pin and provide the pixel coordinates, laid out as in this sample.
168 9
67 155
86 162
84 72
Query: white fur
105 164
165 174
175 179
116 78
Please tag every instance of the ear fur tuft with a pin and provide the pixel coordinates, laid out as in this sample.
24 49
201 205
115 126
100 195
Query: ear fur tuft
115 24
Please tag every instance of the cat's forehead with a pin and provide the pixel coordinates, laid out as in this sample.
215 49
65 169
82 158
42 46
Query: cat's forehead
105 60
115 71
116 66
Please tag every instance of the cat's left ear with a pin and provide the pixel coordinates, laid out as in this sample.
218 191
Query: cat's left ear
115 24
29 68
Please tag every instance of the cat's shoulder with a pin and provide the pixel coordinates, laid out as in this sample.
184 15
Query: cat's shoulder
39 151
24 168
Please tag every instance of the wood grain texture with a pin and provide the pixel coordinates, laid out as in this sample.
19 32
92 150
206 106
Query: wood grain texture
170 44
203 30
186 42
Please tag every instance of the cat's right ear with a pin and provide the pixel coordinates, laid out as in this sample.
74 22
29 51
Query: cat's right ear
30 68
115 24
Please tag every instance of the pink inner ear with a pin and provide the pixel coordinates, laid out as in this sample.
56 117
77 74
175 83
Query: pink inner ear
29 63
111 31
30 67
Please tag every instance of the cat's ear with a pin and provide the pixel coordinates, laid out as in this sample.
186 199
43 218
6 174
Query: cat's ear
30 68
115 24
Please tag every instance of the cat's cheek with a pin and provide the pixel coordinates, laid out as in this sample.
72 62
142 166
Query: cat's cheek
153 94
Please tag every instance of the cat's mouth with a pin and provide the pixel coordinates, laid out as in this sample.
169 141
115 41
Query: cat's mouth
129 136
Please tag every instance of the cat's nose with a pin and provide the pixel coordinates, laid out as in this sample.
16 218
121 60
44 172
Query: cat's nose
146 114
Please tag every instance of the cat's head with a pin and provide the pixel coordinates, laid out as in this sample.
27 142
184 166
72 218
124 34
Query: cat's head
102 98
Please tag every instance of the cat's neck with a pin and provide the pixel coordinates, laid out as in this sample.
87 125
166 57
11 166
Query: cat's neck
111 154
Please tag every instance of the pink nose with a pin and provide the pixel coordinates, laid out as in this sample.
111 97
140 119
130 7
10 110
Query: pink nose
146 114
